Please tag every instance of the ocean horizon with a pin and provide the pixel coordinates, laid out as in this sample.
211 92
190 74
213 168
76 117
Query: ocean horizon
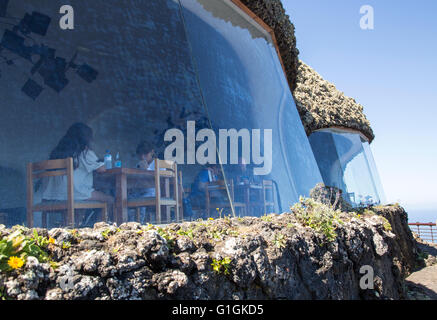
422 215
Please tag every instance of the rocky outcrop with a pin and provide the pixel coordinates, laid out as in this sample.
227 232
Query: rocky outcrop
404 243
321 105
273 257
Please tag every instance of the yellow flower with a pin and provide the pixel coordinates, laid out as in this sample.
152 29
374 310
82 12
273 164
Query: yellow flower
51 240
15 262
211 219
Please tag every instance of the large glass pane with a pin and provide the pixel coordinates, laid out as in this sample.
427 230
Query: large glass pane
125 71
149 76
357 175
244 88
374 171
328 160
344 163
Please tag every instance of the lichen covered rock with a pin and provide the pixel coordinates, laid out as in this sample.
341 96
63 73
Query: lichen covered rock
272 257
321 105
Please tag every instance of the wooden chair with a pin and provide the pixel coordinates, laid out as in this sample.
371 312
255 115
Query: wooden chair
56 168
268 186
181 197
170 176
221 187
263 202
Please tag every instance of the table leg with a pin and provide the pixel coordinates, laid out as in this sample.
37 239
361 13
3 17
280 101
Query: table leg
167 195
121 199
247 199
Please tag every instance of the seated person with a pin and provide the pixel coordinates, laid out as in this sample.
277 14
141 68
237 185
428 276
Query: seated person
76 144
146 161
146 156
209 173
242 173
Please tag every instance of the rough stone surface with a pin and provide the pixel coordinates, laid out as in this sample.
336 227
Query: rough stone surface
147 262
321 105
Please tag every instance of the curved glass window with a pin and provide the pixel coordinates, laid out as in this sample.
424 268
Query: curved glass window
346 162
374 171
244 87
176 76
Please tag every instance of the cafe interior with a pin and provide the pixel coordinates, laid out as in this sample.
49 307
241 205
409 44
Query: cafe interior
167 63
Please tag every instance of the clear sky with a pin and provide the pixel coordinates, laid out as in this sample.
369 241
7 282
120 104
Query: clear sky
391 71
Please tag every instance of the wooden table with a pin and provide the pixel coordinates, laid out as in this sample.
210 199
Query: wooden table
245 191
122 179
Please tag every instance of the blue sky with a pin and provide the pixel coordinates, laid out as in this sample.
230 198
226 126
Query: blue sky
391 71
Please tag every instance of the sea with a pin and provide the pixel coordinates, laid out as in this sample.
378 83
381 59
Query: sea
422 215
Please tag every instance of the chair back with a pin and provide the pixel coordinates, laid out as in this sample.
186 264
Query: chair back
170 175
220 185
268 186
50 168
169 166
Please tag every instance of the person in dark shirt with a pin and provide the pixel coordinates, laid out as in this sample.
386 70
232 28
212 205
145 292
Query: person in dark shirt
208 174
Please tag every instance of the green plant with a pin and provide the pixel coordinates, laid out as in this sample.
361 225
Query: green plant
40 240
66 245
3 294
168 236
279 241
106 233
267 218
221 266
187 233
386 225
318 216
15 249
54 265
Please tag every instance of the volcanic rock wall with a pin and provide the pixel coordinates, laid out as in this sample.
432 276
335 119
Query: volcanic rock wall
321 105
274 257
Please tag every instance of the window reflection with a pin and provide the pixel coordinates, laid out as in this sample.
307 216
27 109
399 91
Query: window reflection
167 64
244 86
344 162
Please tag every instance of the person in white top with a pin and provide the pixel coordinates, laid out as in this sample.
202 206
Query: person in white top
76 144
146 155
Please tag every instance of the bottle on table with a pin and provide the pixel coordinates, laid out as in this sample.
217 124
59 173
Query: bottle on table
108 160
117 160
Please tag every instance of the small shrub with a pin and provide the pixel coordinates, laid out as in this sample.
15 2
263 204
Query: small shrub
267 218
221 266
168 236
318 216
66 245
15 249
187 233
279 241
387 225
